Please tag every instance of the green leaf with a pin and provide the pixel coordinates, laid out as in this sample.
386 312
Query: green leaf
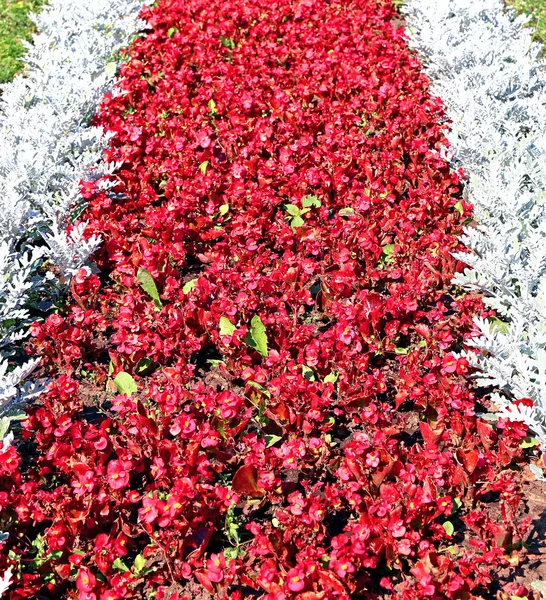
458 503
227 42
16 413
232 553
529 442
388 249
260 417
459 208
143 365
4 427
203 166
232 526
226 326
293 210
331 377
125 384
119 565
308 373
38 543
449 528
401 351
258 336
188 286
256 385
271 440
140 561
308 201
171 32
221 428
497 325
148 285
346 212
297 222
111 69
224 209
212 107
215 362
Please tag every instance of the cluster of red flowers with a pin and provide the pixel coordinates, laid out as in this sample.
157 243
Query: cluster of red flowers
259 396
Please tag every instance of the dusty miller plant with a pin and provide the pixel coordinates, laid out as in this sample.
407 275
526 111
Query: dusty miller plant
488 72
46 149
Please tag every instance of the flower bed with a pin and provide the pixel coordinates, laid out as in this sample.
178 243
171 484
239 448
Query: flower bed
258 397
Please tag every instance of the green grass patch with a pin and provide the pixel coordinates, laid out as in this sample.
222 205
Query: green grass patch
537 10
14 27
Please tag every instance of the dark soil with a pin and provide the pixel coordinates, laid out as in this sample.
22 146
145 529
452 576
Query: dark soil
534 567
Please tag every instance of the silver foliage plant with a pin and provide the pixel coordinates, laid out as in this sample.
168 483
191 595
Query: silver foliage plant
483 64
46 149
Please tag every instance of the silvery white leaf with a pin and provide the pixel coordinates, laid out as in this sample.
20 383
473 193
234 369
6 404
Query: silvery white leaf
483 64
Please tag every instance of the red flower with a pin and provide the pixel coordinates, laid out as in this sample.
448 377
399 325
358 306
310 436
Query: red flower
215 567
295 579
148 513
85 581
449 364
118 474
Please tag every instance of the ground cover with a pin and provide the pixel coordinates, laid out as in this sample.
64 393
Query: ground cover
537 10
257 396
14 27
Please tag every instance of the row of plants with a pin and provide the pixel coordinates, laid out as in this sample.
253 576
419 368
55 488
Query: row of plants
493 81
262 392
47 149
